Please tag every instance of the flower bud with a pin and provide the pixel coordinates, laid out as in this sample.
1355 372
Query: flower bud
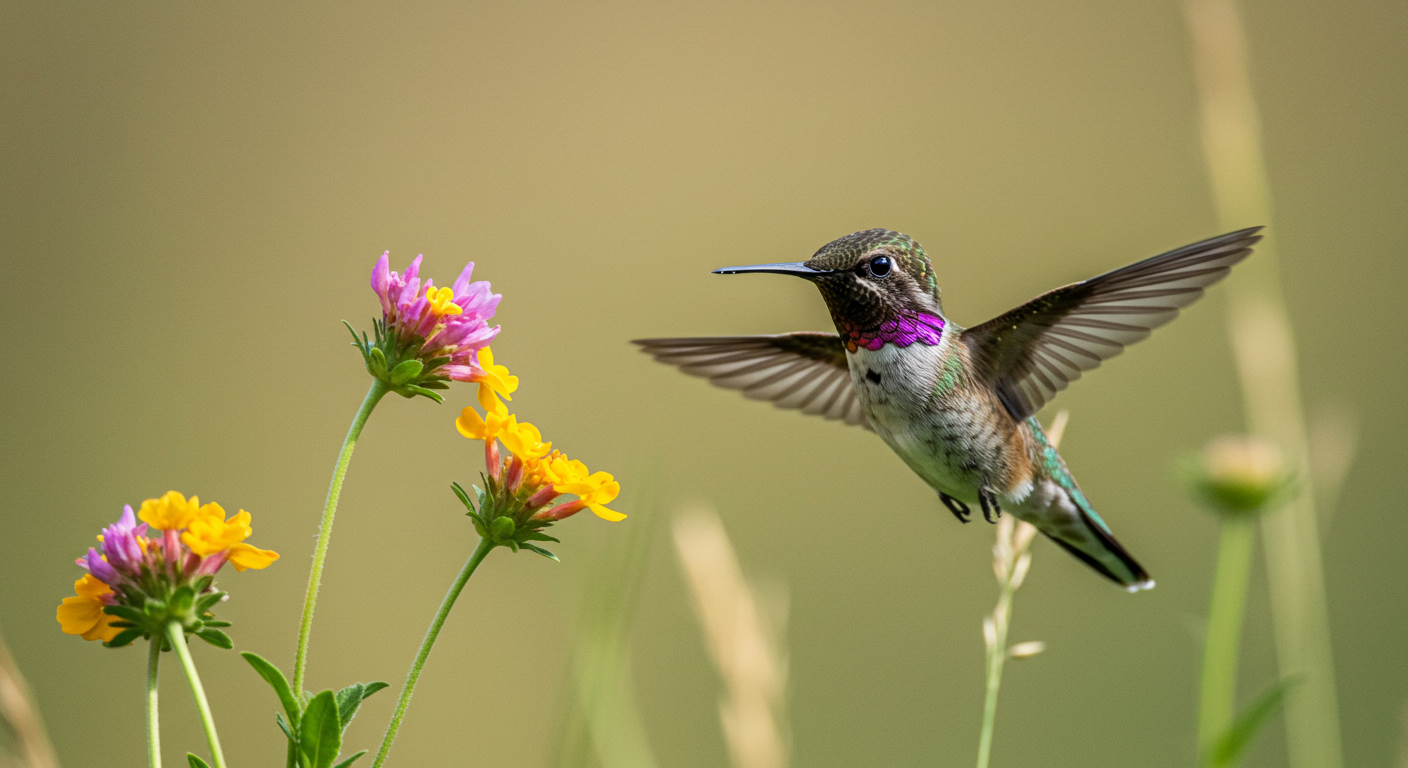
1239 475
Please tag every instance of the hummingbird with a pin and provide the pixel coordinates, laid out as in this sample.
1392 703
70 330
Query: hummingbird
958 404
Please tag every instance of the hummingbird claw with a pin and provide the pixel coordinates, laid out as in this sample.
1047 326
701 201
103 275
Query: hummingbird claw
958 508
991 511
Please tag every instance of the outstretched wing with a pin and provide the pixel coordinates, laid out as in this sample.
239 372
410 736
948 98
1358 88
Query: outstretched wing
802 371
1032 352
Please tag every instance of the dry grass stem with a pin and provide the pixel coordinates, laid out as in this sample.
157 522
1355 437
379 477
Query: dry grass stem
744 640
19 713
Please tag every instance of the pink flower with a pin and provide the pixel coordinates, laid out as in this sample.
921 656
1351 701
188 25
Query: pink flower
442 328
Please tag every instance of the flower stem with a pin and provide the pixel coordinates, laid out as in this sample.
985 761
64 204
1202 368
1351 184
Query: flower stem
480 552
997 655
177 636
153 730
1217 701
320 551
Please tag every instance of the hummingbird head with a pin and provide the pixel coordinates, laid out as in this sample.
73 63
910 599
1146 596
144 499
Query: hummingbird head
869 279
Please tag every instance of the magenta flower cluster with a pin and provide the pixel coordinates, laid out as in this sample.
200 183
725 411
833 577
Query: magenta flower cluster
411 317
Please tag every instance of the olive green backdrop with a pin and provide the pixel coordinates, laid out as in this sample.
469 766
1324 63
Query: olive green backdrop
192 196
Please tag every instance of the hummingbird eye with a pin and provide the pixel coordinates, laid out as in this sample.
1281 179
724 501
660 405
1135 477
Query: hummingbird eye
879 266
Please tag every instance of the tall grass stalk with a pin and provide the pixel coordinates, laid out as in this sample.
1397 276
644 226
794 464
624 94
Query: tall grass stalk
1217 702
19 713
1265 352
744 640
1010 563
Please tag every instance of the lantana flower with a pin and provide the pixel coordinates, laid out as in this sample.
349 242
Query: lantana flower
516 503
144 576
428 336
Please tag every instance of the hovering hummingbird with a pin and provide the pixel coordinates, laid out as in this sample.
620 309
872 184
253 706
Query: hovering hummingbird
958 404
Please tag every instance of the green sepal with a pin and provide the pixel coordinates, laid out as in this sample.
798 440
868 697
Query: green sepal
212 623
435 383
463 497
279 718
539 550
502 529
376 362
125 637
206 602
350 760
195 762
276 680
511 544
203 583
182 600
406 370
320 732
126 613
536 536
216 638
357 341
411 390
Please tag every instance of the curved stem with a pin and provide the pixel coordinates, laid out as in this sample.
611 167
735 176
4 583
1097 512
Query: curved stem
177 636
153 731
1217 701
485 546
320 551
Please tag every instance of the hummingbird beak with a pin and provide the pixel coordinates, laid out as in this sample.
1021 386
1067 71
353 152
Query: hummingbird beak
795 268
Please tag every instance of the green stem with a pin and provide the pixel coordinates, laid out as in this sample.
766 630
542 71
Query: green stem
997 655
153 731
1217 703
177 636
480 552
320 552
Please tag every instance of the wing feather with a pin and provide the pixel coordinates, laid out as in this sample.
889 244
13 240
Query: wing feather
1034 351
797 371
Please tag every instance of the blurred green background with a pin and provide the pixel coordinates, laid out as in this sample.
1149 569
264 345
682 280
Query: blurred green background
194 193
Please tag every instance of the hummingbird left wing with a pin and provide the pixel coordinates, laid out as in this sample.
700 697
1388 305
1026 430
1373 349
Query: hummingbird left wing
803 371
1034 351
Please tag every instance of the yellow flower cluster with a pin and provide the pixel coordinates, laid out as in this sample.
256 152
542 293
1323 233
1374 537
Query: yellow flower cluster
207 532
442 301
540 463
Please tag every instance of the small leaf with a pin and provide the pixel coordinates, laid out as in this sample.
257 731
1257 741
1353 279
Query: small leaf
406 370
206 602
356 340
278 682
278 718
320 732
196 762
463 497
376 360
1230 746
348 700
182 599
125 612
349 760
217 623
539 550
502 528
369 688
422 391
535 536
216 638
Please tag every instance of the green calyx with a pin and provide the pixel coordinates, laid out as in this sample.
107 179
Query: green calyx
399 363
146 615
1235 496
504 518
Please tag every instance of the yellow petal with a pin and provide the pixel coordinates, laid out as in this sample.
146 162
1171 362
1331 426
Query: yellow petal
606 514
489 400
244 556
471 425
171 512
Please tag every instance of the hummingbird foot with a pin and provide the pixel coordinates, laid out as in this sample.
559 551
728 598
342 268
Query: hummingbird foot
991 511
958 508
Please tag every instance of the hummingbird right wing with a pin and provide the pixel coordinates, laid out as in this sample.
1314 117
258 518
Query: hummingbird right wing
1032 352
803 371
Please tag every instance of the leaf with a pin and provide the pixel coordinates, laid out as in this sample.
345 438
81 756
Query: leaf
125 612
206 602
415 390
182 599
348 700
196 762
217 623
349 760
278 718
463 497
1232 743
216 638
539 550
278 682
369 688
535 536
320 732
405 371
125 637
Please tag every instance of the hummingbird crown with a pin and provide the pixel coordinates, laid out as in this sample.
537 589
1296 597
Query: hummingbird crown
875 278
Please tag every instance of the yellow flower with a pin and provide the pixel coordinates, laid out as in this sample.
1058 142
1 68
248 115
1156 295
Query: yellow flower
83 613
171 512
210 533
473 427
596 489
442 301
497 381
523 440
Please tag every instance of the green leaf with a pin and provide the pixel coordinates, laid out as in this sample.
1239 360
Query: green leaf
278 718
406 370
182 599
348 700
196 762
216 638
356 340
278 682
463 497
502 528
206 602
539 550
535 536
423 392
320 732
349 760
217 623
1230 746
125 612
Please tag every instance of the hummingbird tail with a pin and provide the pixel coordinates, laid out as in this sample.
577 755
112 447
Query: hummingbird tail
1070 522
